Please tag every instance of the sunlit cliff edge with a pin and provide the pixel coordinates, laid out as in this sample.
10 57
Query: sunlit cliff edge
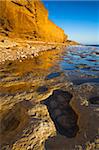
29 95
24 23
28 19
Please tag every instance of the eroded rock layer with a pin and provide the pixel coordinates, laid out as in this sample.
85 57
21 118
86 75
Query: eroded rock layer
37 102
28 19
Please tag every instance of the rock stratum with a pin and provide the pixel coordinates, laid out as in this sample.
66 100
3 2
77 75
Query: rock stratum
28 19
39 108
37 103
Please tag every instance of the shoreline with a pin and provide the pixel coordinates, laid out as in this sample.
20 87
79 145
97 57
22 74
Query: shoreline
25 118
20 49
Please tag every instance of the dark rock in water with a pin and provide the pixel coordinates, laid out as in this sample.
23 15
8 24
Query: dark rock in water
42 89
93 60
57 112
97 53
69 132
83 66
63 95
94 100
67 123
62 114
53 104
53 75
81 81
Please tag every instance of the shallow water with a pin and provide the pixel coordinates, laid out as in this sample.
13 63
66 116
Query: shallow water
81 63
35 79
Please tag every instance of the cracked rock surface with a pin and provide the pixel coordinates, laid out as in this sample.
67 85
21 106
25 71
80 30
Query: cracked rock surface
41 109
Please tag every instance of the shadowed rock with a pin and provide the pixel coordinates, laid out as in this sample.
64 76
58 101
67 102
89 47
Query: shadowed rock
94 100
62 114
42 89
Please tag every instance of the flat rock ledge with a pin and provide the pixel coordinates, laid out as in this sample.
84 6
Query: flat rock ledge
26 124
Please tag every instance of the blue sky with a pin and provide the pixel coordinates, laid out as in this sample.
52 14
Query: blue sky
79 19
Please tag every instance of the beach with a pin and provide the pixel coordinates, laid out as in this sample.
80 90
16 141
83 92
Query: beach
25 88
49 75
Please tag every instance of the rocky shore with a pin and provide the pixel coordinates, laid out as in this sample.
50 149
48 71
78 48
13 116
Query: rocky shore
19 49
39 113
25 30
39 107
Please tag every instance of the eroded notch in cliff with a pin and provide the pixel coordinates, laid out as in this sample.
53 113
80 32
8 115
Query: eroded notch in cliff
62 114
16 3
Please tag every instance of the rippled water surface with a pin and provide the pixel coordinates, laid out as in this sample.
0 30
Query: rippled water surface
78 64
44 80
81 62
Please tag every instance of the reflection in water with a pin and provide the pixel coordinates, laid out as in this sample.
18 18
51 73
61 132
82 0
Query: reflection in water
53 75
40 78
81 63
30 73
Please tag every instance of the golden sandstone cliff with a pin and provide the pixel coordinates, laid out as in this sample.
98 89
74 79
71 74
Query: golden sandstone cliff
37 101
28 19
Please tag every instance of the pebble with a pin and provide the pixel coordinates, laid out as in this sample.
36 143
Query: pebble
12 50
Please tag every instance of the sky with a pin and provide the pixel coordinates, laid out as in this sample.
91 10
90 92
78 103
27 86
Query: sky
79 19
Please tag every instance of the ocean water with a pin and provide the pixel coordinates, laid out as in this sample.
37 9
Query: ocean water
35 79
78 64
81 63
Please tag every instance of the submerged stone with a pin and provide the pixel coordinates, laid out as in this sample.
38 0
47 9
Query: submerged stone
63 116
53 75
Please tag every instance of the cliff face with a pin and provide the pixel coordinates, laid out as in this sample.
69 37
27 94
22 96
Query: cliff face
28 19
